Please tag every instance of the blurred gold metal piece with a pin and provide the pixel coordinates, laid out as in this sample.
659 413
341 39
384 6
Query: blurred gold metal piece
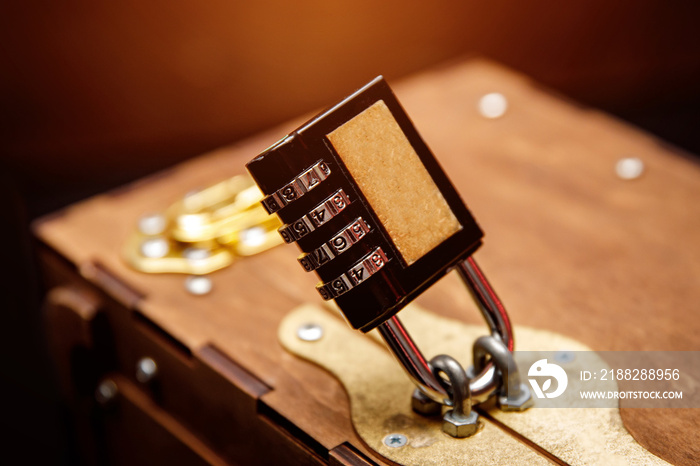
204 231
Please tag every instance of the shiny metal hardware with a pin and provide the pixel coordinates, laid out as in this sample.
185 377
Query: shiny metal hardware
412 360
318 216
422 404
513 395
341 242
302 184
146 370
493 105
460 421
198 285
358 273
204 231
395 440
106 392
310 332
487 379
629 168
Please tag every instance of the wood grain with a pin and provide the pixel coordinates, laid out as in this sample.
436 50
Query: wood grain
569 247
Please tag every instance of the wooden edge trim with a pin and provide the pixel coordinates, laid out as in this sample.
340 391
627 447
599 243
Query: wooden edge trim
347 455
114 286
232 371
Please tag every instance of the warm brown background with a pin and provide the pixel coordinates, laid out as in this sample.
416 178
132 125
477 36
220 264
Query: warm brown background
96 93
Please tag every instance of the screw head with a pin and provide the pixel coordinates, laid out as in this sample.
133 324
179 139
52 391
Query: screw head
146 370
395 440
564 356
155 248
310 332
198 284
629 168
493 105
152 224
106 391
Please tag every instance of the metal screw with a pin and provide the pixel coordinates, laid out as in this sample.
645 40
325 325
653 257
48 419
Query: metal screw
629 168
155 248
310 332
493 105
564 356
198 285
146 370
106 391
152 224
395 440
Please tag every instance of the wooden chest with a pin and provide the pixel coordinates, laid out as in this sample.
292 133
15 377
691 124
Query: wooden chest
571 247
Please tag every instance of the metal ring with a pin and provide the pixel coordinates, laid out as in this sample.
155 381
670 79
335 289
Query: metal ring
415 364
458 387
513 395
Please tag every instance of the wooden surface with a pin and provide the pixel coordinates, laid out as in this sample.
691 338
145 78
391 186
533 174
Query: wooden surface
569 247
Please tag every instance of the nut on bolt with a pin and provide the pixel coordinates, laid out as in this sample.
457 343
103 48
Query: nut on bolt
423 405
519 401
461 426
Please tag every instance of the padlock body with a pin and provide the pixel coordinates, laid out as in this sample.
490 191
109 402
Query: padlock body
372 211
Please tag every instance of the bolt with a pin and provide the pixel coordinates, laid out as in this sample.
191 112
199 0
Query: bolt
459 425
146 370
629 168
518 399
395 440
493 105
198 284
423 405
310 332
106 391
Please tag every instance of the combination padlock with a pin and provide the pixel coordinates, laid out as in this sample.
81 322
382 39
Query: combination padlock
367 203
378 220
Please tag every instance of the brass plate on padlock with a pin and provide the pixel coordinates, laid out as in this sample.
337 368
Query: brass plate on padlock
380 398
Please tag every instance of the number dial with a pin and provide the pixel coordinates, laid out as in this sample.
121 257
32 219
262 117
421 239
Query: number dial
358 273
319 215
341 242
302 184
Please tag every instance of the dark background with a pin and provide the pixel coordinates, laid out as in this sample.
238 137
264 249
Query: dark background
94 94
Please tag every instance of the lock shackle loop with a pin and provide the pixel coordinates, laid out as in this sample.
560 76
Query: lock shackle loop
419 369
